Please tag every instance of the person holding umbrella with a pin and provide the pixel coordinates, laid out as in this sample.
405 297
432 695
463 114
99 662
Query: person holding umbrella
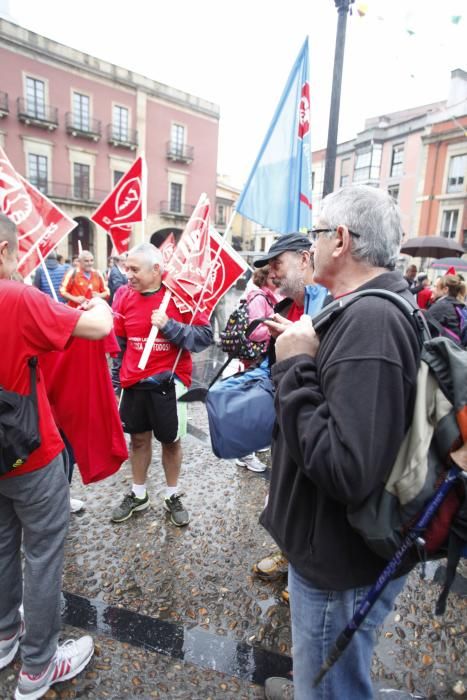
448 308
344 401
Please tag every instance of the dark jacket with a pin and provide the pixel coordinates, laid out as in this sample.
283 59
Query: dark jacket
444 312
116 279
341 418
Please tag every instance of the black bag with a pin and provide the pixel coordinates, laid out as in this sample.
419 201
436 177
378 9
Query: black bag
19 424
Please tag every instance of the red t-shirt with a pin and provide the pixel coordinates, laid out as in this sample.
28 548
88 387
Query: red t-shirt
32 324
133 321
295 312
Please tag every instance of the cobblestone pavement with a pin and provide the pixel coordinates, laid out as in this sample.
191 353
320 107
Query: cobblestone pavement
176 613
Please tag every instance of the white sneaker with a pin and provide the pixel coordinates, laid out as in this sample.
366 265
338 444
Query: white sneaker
252 463
76 505
69 660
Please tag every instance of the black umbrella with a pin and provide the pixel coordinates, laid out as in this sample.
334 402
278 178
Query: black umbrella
446 263
431 247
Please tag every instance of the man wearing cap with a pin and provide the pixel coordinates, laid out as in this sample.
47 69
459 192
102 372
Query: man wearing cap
289 259
344 400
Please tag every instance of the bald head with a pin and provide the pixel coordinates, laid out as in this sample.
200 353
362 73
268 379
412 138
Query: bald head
8 247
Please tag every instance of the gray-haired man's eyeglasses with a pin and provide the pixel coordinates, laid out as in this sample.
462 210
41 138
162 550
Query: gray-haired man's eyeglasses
315 233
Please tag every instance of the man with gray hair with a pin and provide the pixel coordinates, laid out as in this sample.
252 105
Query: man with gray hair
344 401
149 405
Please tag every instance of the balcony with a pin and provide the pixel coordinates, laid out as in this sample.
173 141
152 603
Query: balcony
37 114
78 126
4 109
123 138
62 192
179 152
183 212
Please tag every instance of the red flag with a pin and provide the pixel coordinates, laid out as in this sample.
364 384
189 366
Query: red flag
187 270
167 248
451 271
225 269
125 205
41 225
86 410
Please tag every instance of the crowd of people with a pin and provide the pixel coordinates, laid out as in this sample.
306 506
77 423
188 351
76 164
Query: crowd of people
329 451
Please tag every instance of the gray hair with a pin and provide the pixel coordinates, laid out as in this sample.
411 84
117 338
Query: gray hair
150 253
373 214
8 231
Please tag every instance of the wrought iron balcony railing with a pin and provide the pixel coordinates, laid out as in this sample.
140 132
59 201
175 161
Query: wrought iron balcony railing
4 108
174 211
77 125
37 113
77 192
125 138
180 152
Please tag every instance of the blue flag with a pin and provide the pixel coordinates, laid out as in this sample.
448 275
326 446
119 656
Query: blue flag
277 194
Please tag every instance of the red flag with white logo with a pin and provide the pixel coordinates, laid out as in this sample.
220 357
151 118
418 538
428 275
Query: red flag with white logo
41 225
187 271
225 269
167 248
124 206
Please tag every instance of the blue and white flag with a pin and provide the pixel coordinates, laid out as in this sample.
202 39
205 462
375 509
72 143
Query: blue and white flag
277 194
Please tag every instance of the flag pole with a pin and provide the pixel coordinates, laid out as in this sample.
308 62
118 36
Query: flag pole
46 273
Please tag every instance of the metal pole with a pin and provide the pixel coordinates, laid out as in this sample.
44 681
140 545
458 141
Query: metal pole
330 167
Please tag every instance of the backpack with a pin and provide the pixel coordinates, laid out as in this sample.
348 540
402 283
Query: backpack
19 424
234 340
438 427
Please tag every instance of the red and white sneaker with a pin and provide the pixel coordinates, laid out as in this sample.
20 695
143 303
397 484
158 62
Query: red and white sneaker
9 646
70 659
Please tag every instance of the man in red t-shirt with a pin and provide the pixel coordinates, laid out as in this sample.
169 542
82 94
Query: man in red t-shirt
149 404
83 282
34 497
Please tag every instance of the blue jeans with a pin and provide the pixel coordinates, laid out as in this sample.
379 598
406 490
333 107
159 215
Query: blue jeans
318 617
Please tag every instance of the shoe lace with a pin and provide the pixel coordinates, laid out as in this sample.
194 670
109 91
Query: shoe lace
66 650
175 502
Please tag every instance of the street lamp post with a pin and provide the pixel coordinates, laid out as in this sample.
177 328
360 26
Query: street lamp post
343 7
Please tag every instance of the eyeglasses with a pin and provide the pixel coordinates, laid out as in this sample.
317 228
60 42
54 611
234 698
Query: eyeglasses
315 233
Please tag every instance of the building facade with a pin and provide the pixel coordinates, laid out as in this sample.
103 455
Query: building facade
72 124
419 155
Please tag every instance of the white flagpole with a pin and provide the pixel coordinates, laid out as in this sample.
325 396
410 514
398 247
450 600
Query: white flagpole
153 332
80 247
46 273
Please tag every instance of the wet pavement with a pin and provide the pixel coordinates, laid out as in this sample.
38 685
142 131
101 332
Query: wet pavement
176 612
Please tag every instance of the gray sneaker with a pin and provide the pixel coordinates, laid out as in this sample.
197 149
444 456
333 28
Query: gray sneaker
178 515
277 688
128 506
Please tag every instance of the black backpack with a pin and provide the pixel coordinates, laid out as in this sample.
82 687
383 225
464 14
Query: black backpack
19 424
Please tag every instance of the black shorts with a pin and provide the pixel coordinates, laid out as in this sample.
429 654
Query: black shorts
152 409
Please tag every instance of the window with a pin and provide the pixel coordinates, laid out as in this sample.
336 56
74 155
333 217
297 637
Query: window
312 179
397 160
175 197
37 171
35 98
120 121
262 244
220 214
449 223
367 164
81 111
456 174
345 172
393 191
117 174
177 139
81 180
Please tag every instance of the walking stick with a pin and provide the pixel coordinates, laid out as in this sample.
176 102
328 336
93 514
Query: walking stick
388 573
